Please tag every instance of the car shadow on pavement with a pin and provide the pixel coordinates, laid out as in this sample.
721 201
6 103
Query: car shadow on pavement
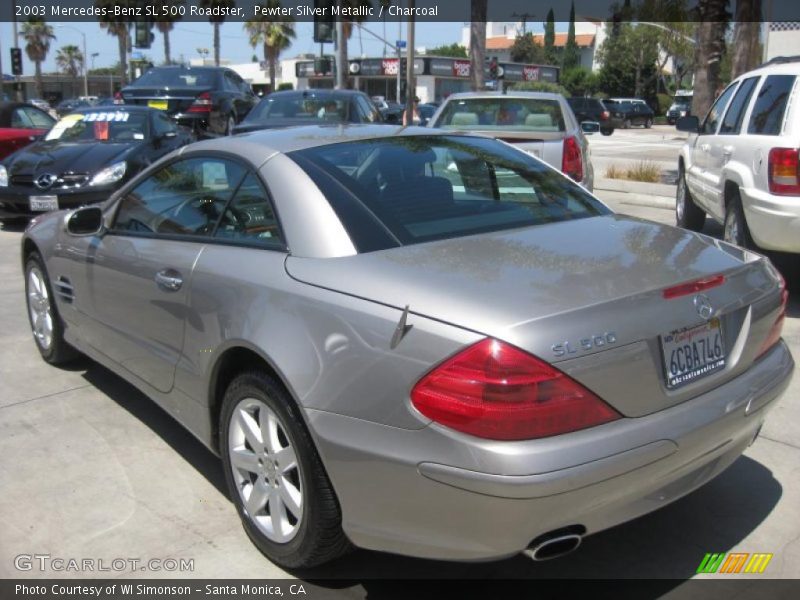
160 422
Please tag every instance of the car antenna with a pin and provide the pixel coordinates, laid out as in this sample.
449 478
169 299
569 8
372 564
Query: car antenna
401 330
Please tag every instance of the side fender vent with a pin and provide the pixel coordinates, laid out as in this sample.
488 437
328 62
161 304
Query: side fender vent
64 289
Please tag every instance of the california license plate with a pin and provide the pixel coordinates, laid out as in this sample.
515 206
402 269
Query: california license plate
159 104
692 353
43 203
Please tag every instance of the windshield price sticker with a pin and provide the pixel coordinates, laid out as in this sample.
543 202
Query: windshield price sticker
107 116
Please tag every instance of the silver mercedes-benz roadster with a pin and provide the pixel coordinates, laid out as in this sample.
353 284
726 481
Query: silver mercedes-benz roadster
414 341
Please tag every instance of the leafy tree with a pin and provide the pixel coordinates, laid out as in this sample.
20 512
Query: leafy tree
710 48
119 28
274 33
37 35
526 50
550 53
580 82
70 60
477 42
572 54
217 21
540 86
165 24
454 50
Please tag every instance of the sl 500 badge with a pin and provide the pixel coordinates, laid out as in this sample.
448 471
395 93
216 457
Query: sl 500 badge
587 344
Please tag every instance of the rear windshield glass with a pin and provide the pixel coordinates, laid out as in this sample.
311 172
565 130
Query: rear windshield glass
179 78
312 107
408 189
517 114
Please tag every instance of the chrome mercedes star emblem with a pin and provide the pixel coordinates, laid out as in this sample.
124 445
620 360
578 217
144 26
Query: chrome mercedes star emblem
45 180
703 306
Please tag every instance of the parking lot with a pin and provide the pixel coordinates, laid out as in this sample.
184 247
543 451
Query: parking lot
89 467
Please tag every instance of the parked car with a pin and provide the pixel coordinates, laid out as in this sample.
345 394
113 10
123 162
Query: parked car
541 124
42 105
592 109
680 107
463 356
208 100
70 105
21 124
623 100
426 111
308 107
84 158
741 164
627 114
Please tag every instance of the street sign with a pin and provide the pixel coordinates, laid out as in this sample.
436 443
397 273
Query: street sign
400 44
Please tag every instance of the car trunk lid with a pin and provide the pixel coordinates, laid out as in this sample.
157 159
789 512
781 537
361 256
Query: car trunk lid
172 100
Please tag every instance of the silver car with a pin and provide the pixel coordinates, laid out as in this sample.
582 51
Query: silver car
540 123
412 341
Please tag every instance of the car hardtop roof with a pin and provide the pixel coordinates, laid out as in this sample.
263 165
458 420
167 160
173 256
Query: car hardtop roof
314 91
510 94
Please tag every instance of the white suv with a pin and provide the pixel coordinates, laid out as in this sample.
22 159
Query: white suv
741 166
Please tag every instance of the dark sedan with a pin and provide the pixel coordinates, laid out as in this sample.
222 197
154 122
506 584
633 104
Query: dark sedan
208 100
21 124
628 114
592 109
310 107
85 157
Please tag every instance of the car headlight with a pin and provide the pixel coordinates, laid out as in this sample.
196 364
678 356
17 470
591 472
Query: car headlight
110 174
683 113
3 176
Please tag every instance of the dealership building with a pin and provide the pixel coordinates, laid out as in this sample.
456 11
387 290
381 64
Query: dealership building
436 77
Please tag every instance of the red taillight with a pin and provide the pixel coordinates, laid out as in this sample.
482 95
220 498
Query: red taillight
118 99
604 115
571 162
692 287
784 171
201 104
775 332
496 391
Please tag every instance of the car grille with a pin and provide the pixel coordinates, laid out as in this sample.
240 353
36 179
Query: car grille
65 180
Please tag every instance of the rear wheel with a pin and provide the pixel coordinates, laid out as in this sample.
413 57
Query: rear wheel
736 230
275 476
687 214
606 131
230 124
48 331
626 124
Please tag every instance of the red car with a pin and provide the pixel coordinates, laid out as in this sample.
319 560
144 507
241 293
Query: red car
20 124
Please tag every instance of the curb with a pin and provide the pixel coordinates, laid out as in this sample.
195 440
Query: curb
639 193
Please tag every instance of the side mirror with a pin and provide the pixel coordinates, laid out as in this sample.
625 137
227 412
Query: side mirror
391 118
85 221
590 127
690 124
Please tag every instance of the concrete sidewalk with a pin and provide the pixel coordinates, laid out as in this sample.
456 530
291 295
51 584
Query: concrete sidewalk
639 193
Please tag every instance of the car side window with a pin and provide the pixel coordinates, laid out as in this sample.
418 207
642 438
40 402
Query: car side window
732 122
714 115
770 105
163 125
19 120
38 118
230 82
250 217
186 197
371 115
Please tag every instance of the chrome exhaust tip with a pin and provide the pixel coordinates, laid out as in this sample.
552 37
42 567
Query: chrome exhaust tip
553 545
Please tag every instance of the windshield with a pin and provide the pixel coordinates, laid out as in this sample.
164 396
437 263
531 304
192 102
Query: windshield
424 188
683 101
100 126
311 107
179 78
517 114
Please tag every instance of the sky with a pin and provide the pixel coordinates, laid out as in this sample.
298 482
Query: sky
188 36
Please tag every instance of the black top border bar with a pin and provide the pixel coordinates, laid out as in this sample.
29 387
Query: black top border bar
374 11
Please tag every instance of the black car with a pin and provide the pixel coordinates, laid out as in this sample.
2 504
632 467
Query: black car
85 157
208 100
592 109
310 107
628 114
67 106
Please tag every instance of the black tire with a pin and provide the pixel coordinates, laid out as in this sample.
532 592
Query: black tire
687 214
319 537
56 351
648 124
626 124
606 131
736 230
229 124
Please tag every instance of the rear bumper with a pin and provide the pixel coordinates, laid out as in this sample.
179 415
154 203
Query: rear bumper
438 494
15 202
774 221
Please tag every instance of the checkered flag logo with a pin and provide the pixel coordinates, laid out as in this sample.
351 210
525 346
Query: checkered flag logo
784 26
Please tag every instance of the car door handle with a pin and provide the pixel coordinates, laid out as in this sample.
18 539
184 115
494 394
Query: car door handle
727 150
169 279
704 147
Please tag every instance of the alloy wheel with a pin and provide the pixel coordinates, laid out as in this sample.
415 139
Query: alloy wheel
39 308
266 470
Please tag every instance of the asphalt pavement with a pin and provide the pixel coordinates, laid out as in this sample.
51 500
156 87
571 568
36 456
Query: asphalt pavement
90 468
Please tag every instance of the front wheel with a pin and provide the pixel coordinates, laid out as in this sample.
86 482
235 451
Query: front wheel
687 214
626 124
275 476
648 124
230 124
735 229
606 131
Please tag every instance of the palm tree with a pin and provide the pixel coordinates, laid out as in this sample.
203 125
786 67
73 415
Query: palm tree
70 60
37 35
713 19
275 35
746 47
118 27
347 27
477 42
167 24
217 21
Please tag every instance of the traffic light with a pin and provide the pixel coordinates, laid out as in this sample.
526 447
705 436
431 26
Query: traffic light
323 21
493 68
403 67
143 37
16 61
